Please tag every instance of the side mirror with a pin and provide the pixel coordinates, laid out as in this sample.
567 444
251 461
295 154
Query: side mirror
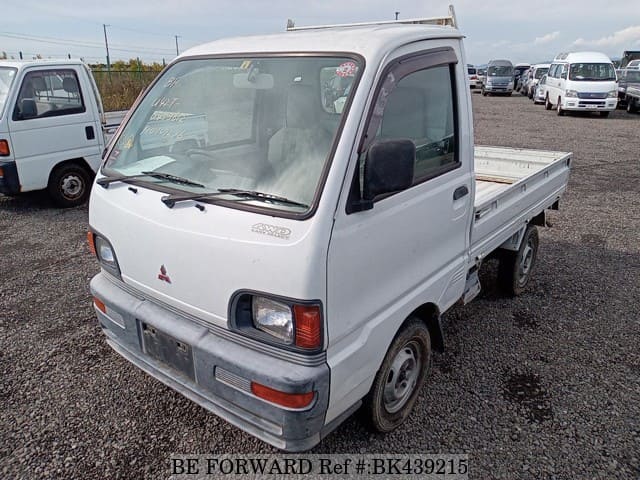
388 168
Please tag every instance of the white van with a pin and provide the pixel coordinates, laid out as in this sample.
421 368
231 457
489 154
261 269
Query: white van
582 81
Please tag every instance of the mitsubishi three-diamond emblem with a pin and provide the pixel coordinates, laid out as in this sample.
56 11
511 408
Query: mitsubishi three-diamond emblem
163 275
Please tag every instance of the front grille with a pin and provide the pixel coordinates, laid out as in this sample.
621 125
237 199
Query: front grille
592 94
591 104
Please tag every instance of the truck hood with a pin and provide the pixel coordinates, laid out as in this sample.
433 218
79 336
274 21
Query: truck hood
206 256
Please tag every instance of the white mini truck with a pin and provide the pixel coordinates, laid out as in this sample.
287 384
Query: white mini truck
283 220
53 129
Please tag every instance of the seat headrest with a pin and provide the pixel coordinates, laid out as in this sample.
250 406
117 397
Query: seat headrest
28 108
404 114
302 106
38 84
70 85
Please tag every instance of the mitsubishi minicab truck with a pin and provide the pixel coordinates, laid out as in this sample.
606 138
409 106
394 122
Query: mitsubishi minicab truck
283 220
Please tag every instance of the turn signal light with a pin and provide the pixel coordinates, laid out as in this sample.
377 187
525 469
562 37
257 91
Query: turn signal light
92 241
288 400
4 148
308 326
100 305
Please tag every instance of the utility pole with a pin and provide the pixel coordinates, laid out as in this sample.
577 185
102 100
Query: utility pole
177 51
106 44
397 13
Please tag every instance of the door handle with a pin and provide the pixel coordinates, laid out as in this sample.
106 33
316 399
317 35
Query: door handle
460 192
90 133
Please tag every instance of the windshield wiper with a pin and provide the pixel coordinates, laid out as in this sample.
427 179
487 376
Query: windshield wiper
171 200
105 181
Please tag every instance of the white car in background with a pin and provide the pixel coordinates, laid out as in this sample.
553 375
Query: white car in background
538 71
540 91
474 80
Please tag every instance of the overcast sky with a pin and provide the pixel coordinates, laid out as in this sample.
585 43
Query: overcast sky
530 31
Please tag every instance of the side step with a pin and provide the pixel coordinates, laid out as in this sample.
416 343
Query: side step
472 287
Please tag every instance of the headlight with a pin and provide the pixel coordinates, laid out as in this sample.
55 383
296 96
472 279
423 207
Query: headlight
612 94
105 253
571 93
273 317
294 324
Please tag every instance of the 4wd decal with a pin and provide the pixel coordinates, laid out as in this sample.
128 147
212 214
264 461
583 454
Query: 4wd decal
272 230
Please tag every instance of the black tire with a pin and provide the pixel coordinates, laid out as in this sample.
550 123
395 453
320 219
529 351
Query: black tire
631 105
69 185
559 110
484 92
402 374
514 270
604 114
547 104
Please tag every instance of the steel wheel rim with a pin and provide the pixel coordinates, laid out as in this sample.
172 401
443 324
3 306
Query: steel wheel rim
402 377
526 261
71 187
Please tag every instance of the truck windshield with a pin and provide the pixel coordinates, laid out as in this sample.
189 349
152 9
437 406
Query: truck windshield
264 125
6 80
592 72
500 71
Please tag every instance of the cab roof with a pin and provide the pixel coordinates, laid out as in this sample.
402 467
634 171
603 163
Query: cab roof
368 41
19 64
584 57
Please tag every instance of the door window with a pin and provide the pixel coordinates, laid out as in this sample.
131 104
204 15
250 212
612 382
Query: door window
417 103
421 108
49 93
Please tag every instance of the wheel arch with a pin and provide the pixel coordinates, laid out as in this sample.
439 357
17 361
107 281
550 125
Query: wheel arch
429 314
80 161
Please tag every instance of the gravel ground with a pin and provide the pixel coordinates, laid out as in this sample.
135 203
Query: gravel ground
543 386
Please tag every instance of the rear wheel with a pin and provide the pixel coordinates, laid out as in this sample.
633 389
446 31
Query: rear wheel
402 374
69 185
515 268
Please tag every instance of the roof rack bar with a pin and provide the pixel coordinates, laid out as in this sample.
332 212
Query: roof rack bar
449 20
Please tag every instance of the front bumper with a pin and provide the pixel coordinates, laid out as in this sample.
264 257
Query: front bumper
225 394
9 182
575 104
498 88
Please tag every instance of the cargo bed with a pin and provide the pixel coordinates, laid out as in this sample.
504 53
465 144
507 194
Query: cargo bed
512 186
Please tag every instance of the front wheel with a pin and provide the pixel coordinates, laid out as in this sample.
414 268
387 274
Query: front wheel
69 186
559 110
547 103
397 384
631 105
515 268
484 92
